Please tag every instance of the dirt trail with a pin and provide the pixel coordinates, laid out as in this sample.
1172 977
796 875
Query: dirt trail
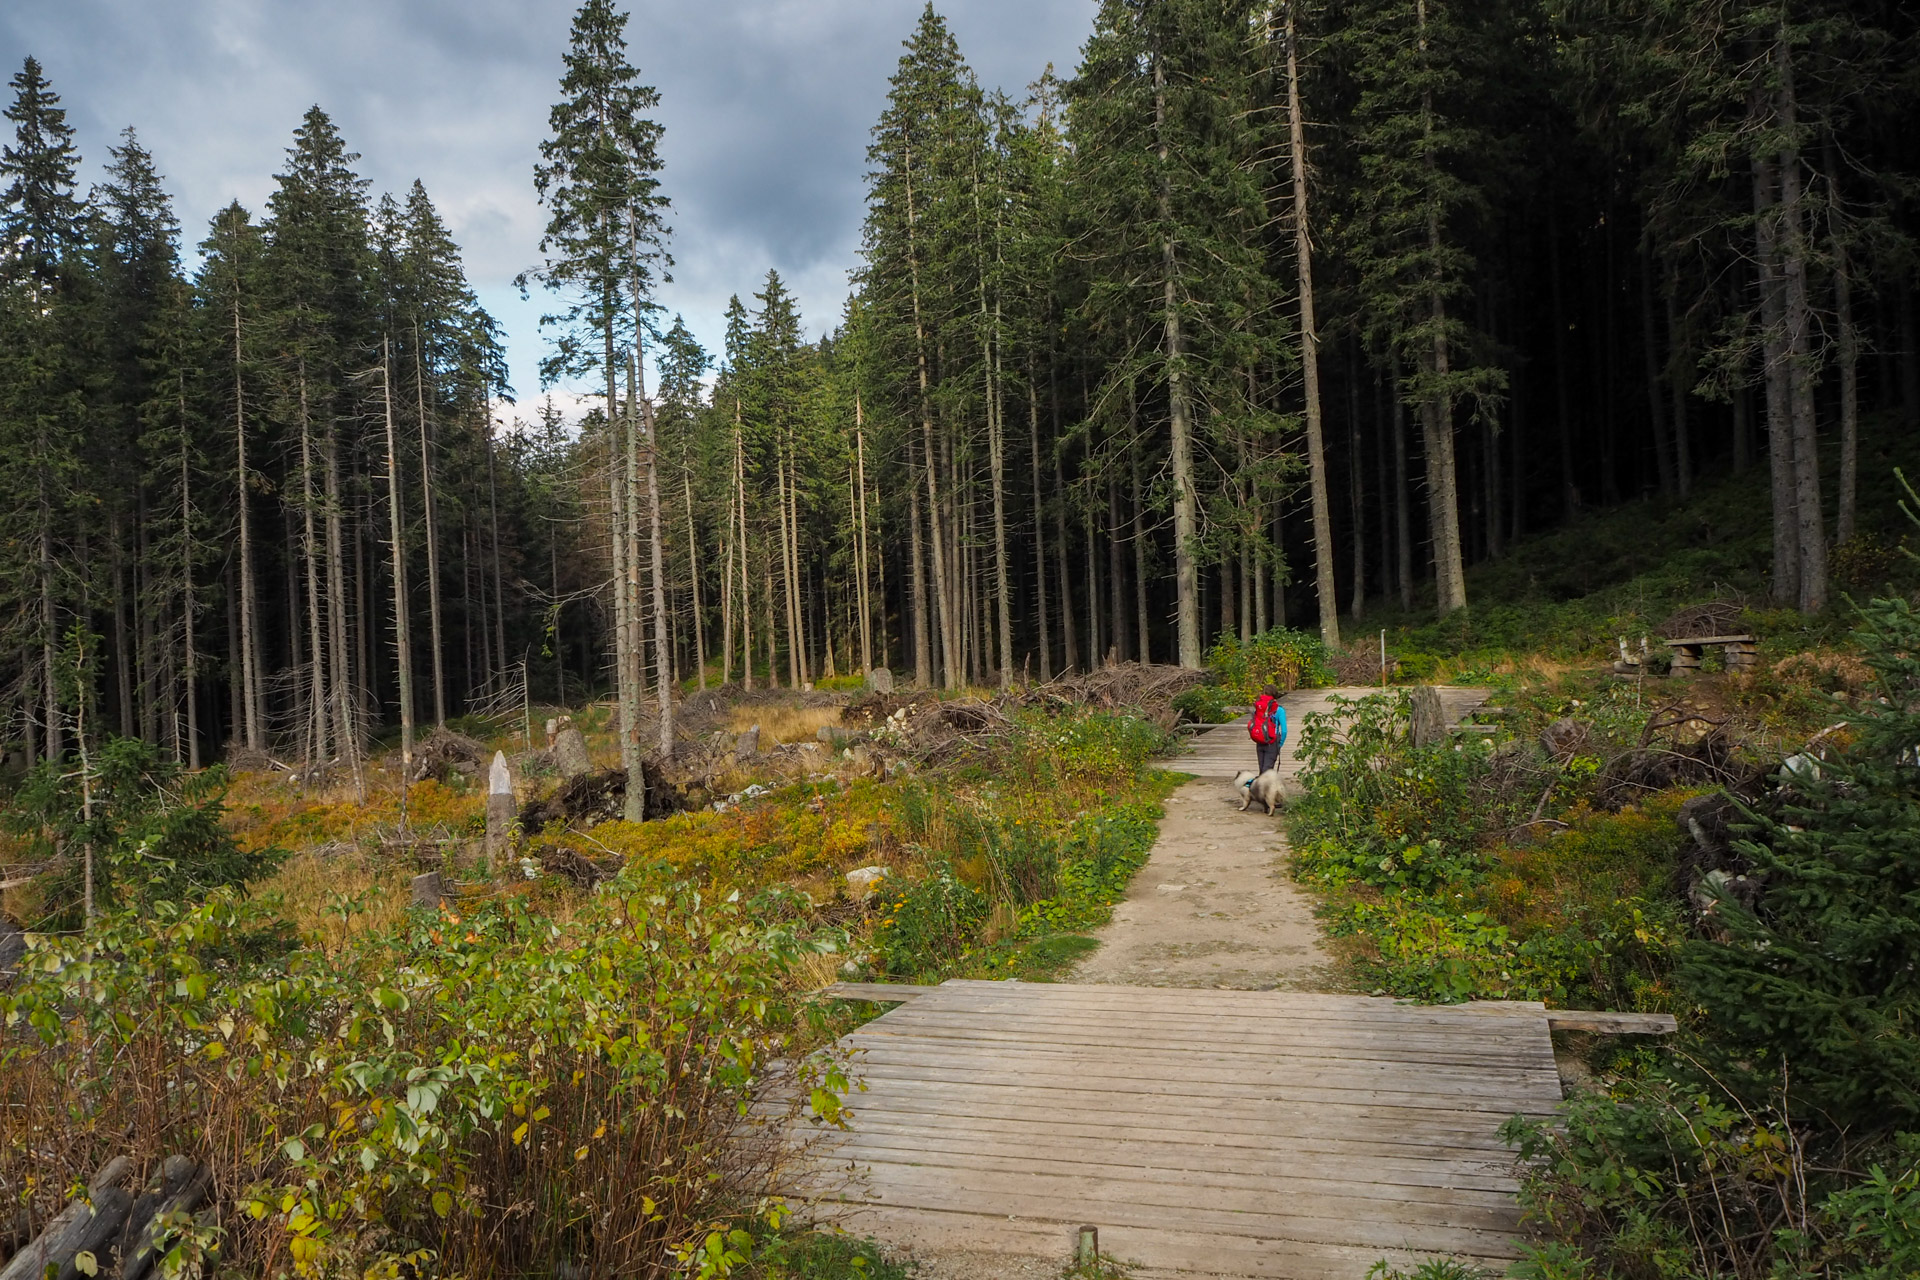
1215 905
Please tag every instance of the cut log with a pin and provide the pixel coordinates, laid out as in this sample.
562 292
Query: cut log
179 1187
82 1225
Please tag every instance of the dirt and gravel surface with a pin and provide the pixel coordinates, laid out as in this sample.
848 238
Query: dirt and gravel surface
1214 906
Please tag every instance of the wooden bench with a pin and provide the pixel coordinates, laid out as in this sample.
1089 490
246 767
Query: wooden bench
1739 653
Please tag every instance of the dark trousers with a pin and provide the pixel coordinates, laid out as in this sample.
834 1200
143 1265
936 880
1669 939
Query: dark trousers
1268 754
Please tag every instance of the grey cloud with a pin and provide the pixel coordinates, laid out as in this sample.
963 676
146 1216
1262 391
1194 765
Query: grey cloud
766 105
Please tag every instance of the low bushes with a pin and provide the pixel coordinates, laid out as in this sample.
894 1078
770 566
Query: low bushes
494 1095
1286 659
1449 889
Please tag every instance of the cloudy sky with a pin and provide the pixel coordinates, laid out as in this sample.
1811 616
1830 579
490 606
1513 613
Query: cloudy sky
766 105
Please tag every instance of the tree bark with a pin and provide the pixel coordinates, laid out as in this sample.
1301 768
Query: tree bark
1442 475
1848 354
1786 544
1323 569
431 526
1798 315
1656 394
1185 530
402 626
1039 528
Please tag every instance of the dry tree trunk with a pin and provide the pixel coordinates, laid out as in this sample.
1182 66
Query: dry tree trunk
1323 572
432 527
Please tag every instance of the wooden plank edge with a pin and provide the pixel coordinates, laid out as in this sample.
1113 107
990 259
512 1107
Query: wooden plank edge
876 992
1618 1024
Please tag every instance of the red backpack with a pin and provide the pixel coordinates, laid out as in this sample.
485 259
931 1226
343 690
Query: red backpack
1263 725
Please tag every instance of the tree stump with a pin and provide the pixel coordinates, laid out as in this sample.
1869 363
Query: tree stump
570 751
499 809
1427 722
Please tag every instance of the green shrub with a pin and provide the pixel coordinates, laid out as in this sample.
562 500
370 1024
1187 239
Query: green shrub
367 1110
1672 1181
1286 659
157 831
926 924
1821 979
1203 704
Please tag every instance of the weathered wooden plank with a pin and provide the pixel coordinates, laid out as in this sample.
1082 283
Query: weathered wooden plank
1352 1201
1140 1089
1186 1253
1619 1024
1304 1130
1195 1074
1366 1176
1253 1133
1226 1041
878 992
1425 1228
1220 1122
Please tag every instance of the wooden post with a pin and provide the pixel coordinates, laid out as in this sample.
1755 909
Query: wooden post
499 810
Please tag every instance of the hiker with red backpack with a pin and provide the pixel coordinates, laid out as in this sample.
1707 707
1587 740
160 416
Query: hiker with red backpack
1267 726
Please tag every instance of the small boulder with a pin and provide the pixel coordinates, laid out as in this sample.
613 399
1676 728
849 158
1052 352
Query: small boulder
861 883
747 746
879 680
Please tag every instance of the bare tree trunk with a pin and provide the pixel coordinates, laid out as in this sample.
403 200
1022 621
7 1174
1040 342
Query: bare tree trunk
190 672
1185 501
1144 648
1356 485
1069 630
316 643
432 528
1039 527
922 631
1801 358
746 581
620 502
252 719
1656 395
493 519
865 585
1402 502
1442 473
346 717
996 452
663 653
1310 354
402 624
1786 544
1849 358
1569 491
693 580
1679 379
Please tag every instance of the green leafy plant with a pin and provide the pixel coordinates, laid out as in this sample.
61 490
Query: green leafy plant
156 831
1286 659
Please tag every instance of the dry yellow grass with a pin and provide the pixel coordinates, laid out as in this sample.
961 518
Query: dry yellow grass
782 724
313 887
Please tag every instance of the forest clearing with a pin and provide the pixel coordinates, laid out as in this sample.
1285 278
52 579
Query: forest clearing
771 805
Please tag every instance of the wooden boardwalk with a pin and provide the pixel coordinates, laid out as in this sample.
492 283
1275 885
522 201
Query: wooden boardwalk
1224 750
1243 1133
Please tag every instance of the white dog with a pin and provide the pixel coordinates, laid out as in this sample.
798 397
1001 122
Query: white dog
1264 787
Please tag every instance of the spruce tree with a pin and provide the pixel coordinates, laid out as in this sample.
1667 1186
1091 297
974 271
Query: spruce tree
43 231
604 241
1816 986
